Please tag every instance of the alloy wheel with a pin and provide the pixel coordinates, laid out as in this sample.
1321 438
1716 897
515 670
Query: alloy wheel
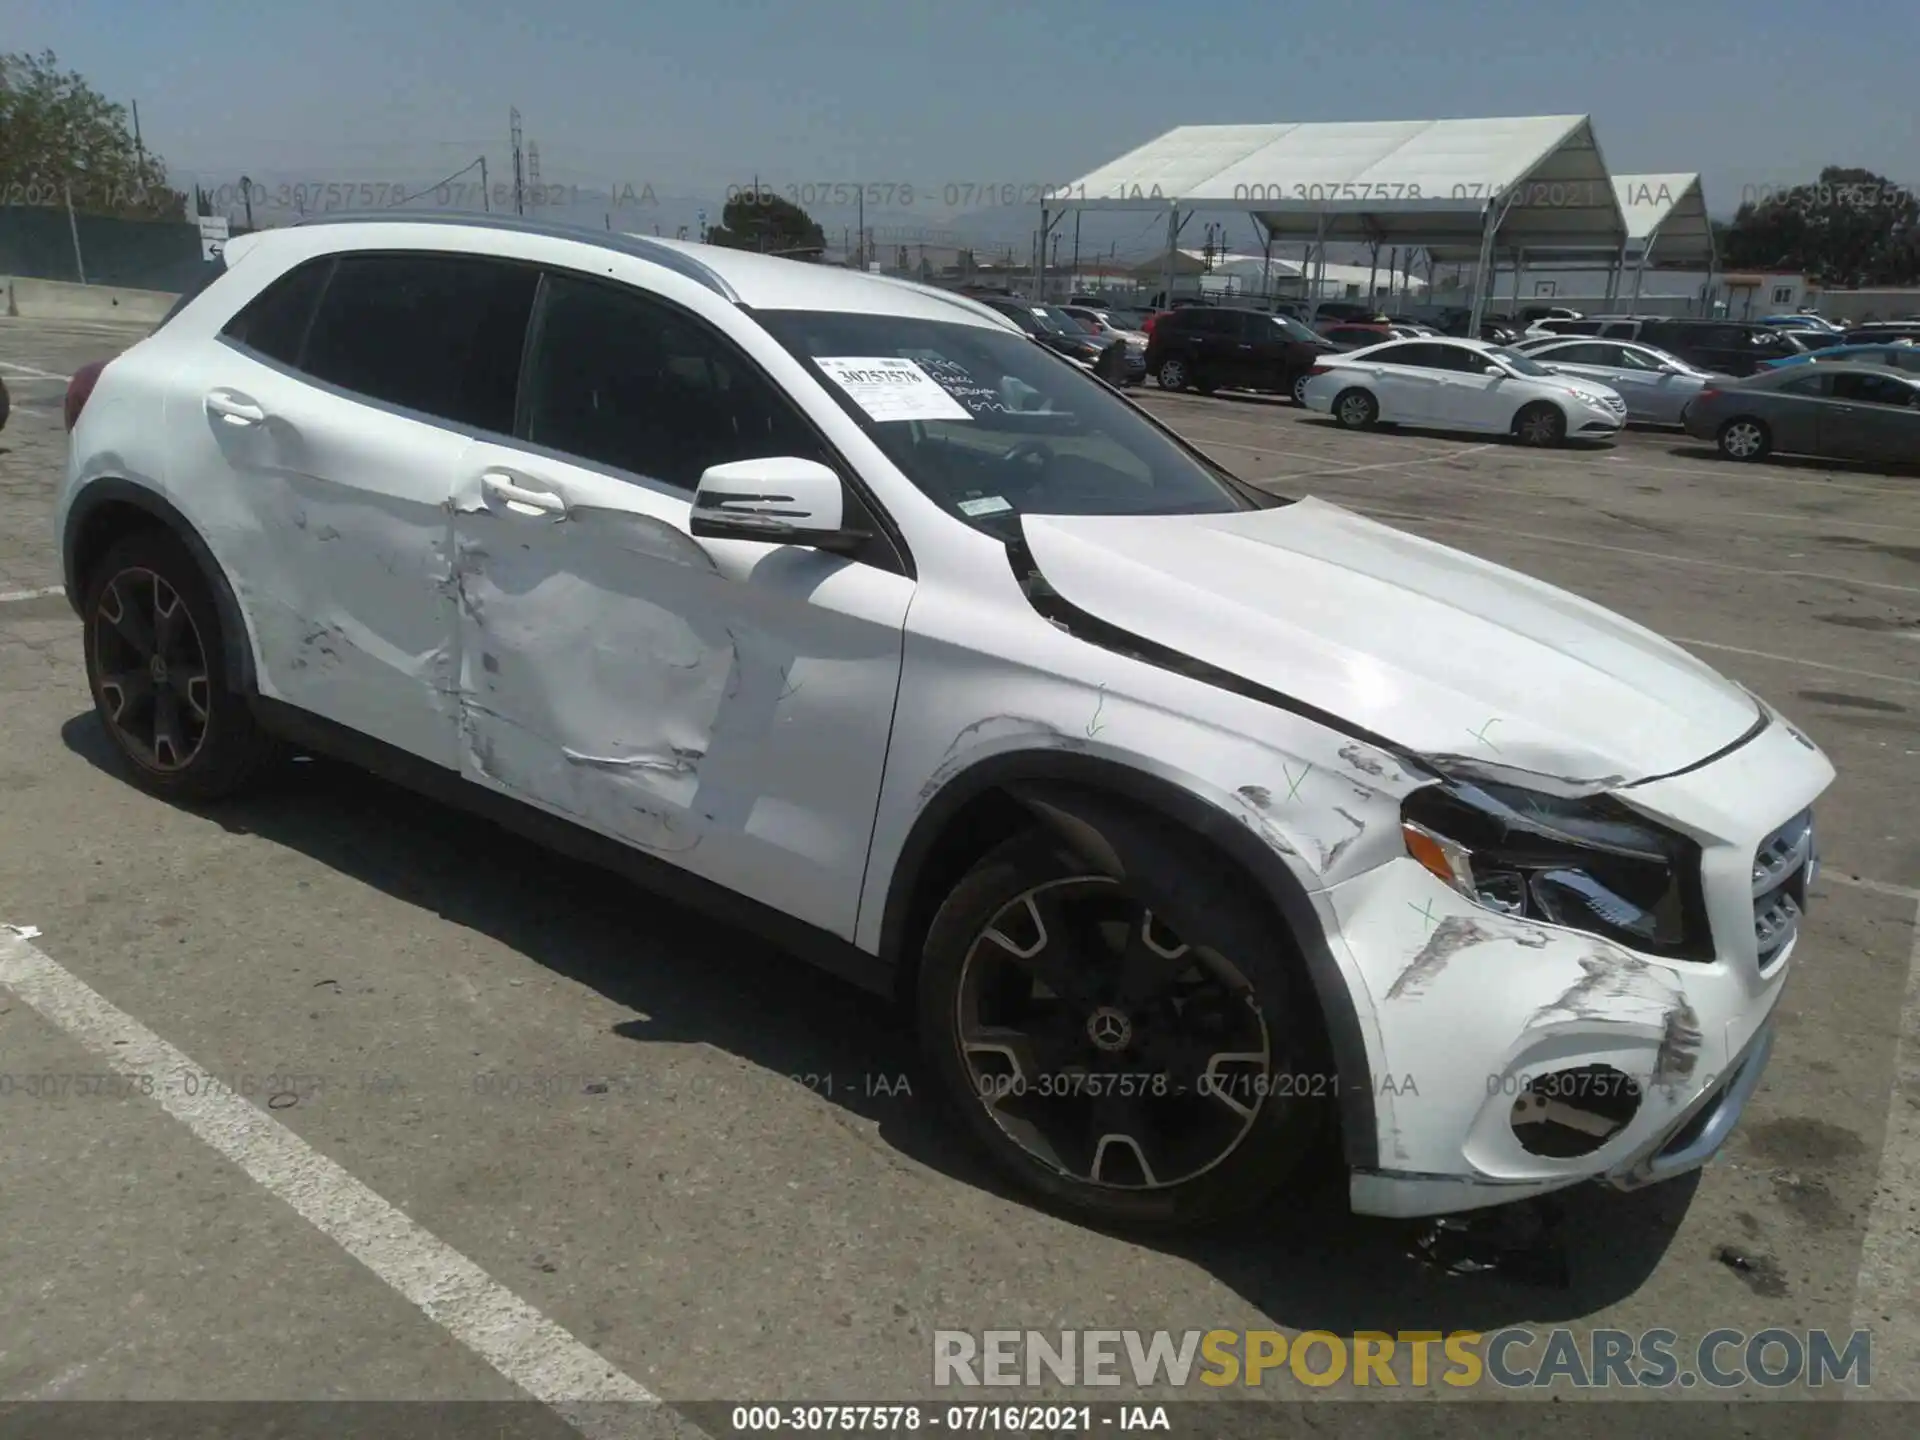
1105 1046
1300 389
1173 375
152 670
1356 410
1741 440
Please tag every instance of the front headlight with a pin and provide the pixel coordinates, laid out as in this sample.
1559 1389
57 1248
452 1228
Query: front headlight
1590 864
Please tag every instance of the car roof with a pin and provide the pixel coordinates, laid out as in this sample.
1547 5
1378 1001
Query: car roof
761 282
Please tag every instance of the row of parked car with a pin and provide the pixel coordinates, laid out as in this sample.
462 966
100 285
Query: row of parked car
1567 376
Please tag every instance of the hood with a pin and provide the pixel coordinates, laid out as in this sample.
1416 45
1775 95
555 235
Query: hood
1433 649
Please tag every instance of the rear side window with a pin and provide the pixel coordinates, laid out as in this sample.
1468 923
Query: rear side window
1809 384
441 334
274 323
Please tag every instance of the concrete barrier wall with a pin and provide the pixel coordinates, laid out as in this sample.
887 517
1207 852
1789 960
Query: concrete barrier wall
60 300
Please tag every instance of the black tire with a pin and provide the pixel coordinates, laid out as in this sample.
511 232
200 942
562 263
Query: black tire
185 734
6 405
1356 409
1174 374
1204 385
1260 984
1541 425
1744 438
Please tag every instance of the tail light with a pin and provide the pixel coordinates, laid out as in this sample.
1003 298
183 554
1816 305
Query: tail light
1707 394
1320 370
79 388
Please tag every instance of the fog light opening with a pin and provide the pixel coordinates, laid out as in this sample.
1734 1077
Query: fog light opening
1565 1114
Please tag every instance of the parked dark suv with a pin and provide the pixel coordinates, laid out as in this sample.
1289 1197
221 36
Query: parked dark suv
1216 348
1728 347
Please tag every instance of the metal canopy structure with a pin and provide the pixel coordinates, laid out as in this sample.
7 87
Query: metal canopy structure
1463 186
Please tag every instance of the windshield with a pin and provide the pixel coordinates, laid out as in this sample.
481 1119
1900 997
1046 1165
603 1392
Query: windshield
990 426
1126 319
1518 363
1063 322
1292 328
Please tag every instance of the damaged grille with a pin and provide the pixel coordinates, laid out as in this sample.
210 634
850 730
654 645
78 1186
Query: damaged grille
1782 869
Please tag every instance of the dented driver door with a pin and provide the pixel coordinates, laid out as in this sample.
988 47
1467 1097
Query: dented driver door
722 705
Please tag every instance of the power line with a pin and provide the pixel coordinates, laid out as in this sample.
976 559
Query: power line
406 199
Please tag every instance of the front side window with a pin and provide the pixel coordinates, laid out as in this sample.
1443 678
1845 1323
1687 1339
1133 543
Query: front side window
441 334
618 379
1873 390
991 427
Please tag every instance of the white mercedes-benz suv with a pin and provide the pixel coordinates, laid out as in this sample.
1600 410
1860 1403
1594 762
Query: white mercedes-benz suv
1192 823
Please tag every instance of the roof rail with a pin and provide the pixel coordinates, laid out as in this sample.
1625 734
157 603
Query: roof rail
640 246
958 301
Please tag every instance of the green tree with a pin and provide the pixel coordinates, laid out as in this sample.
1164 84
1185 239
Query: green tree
1849 228
60 136
761 220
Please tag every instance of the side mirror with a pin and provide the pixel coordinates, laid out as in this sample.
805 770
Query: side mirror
781 501
1493 370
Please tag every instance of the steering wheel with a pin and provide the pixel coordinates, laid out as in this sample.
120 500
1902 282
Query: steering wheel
1029 449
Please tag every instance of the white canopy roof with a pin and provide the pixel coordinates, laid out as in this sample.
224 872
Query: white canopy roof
1667 219
1406 182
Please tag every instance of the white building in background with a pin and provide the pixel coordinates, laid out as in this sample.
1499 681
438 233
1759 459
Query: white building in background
1254 275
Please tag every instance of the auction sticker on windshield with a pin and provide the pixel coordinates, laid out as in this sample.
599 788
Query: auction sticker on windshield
889 388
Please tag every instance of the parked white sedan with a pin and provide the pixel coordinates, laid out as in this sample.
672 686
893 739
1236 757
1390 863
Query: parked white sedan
1449 384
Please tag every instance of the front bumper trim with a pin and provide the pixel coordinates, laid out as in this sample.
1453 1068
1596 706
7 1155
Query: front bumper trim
1699 1133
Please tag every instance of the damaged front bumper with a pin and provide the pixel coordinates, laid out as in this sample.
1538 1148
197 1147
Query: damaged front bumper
1515 1058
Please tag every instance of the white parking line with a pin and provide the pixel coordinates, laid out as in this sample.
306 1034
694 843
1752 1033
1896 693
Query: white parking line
518 1341
29 371
9 597
1707 470
1662 555
1796 660
1886 1297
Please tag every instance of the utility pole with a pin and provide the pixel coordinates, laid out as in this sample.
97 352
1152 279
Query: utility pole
1075 282
486 192
519 174
860 196
246 194
139 150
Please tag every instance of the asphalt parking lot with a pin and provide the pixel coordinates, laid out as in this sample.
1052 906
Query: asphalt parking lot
710 1173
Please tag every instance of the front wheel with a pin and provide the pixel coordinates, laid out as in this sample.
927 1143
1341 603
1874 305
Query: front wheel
1744 439
1541 425
153 650
1173 375
1135 1052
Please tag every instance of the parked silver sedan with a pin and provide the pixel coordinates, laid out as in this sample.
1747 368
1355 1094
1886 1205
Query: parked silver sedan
1656 386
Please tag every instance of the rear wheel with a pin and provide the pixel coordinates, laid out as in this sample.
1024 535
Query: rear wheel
1300 389
1356 409
1540 424
153 650
1134 1052
1744 438
1173 374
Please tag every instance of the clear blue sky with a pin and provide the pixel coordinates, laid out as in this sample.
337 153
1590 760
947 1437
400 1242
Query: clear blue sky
688 97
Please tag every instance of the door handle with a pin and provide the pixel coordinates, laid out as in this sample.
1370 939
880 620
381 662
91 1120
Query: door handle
234 408
501 488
